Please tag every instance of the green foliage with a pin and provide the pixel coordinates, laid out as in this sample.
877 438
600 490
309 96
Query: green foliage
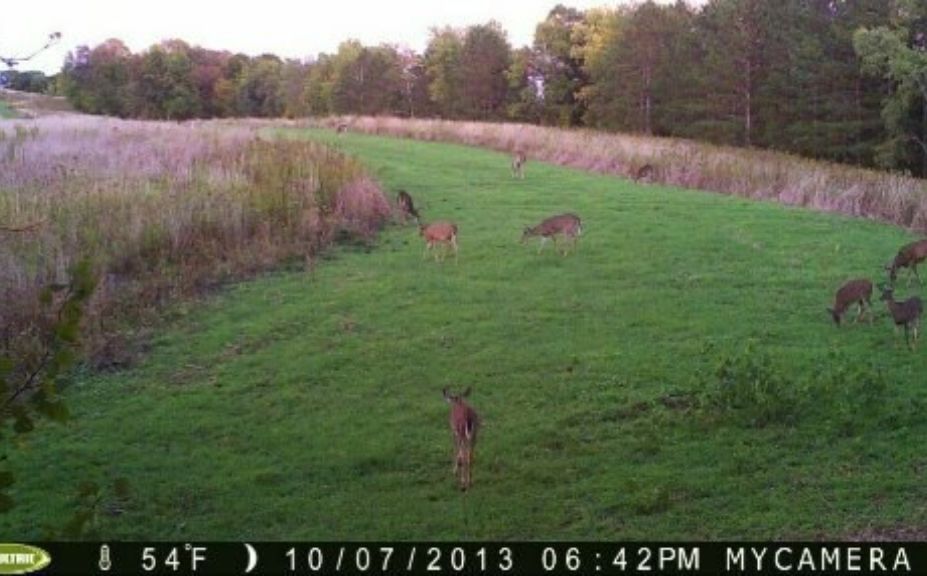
29 375
442 65
485 55
750 390
896 54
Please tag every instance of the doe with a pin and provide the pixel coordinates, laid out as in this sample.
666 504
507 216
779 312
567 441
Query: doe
907 314
566 225
644 173
464 424
439 233
909 256
406 206
857 292
518 164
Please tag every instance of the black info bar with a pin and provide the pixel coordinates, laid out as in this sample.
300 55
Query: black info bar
489 558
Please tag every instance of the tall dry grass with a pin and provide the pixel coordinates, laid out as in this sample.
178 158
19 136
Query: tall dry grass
755 174
162 211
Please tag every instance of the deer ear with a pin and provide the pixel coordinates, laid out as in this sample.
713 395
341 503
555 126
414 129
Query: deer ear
446 395
465 393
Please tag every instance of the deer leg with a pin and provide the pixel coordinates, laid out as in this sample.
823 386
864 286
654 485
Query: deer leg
454 245
859 311
541 246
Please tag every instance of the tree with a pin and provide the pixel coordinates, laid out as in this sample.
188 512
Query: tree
414 85
526 100
735 35
485 56
443 69
367 81
897 53
558 65
260 87
163 86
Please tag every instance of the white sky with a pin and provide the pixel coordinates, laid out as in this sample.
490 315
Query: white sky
290 29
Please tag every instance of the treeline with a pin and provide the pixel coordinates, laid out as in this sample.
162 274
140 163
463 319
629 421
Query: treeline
31 81
835 79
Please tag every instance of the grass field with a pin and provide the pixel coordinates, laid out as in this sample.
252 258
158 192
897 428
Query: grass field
6 111
308 405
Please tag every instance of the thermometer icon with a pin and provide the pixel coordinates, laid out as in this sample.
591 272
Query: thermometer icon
105 563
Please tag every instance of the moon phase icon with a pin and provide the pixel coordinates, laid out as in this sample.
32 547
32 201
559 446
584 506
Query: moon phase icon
252 558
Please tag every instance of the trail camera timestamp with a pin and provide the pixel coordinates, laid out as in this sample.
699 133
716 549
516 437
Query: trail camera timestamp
494 559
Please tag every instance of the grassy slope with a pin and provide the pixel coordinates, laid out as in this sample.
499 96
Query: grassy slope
6 111
308 405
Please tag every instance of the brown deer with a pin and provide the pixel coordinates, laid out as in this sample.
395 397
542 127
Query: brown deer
909 256
857 292
439 233
406 206
464 425
518 164
341 128
907 314
644 173
567 225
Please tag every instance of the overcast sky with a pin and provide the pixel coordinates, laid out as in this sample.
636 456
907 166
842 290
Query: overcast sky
291 29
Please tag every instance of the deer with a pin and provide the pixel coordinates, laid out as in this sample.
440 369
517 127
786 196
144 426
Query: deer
464 425
907 314
568 225
518 164
644 173
857 292
406 206
441 232
909 256
341 128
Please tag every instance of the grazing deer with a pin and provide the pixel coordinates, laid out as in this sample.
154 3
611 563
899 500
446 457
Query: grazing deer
907 314
341 128
644 173
406 206
518 164
857 292
909 256
567 225
439 233
464 424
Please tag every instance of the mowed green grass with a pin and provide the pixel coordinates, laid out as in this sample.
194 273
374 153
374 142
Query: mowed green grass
308 404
